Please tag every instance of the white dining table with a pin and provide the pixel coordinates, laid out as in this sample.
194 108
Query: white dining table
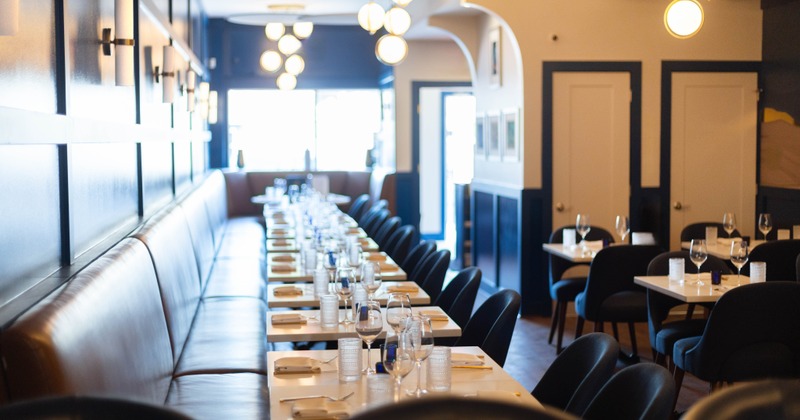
573 253
284 267
492 381
308 300
312 330
292 245
689 291
722 248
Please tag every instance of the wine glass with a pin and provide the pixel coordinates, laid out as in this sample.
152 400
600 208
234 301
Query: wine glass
698 253
729 223
398 359
371 278
420 331
739 255
345 278
765 223
369 324
583 227
398 308
330 260
623 226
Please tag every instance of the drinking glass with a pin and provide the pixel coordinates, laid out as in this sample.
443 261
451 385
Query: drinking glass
765 223
698 253
398 359
420 331
739 255
583 227
623 226
729 223
398 308
329 260
369 324
344 288
371 278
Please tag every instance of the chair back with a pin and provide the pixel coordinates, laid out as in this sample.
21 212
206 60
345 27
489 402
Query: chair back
399 243
386 230
87 407
559 265
780 256
454 407
431 272
642 391
753 332
458 298
358 207
372 225
417 254
612 271
372 212
773 399
492 325
578 373
698 231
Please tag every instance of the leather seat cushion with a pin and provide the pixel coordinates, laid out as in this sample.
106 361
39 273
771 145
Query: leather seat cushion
626 306
228 335
243 277
674 331
221 396
567 288
244 238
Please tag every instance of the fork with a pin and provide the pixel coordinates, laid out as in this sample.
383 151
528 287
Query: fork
287 399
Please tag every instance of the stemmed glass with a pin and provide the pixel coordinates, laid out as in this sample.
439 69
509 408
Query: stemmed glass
698 253
371 278
623 227
729 223
345 278
398 308
765 223
420 331
583 227
369 324
398 359
330 260
739 255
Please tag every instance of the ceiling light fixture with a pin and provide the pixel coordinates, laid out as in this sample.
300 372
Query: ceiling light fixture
391 49
397 21
288 44
295 65
370 17
271 61
274 31
286 81
683 18
302 30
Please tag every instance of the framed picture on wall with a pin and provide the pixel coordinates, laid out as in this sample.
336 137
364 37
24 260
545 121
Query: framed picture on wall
496 58
510 134
493 141
480 136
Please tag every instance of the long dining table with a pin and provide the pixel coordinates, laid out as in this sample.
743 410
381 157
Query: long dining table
688 290
302 295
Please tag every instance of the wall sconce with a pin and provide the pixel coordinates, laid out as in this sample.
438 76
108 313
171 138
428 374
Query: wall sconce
9 17
683 18
123 41
212 107
168 74
191 84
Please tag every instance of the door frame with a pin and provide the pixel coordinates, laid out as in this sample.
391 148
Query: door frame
667 69
634 69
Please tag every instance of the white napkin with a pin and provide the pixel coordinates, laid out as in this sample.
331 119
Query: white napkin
296 365
465 359
287 291
282 268
434 315
594 245
287 319
403 288
642 238
316 409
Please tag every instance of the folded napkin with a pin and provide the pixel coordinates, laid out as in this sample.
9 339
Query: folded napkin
387 266
465 359
284 319
499 395
283 258
278 231
402 288
282 268
280 242
435 315
375 256
595 245
364 242
354 230
283 291
314 410
296 365
279 220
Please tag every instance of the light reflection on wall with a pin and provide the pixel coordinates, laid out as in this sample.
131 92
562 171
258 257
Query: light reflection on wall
780 150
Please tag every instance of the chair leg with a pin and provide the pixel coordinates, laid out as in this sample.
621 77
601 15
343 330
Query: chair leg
660 359
562 319
615 330
678 376
554 322
579 327
690 311
632 331
599 327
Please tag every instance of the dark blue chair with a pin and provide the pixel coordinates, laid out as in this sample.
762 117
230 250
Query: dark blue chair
492 325
641 391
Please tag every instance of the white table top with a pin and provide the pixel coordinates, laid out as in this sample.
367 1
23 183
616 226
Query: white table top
688 291
721 250
291 245
390 271
573 254
313 331
464 382
307 299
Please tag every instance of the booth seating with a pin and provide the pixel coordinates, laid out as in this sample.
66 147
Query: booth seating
173 314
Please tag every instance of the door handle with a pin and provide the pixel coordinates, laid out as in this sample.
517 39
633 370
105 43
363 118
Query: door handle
560 207
677 205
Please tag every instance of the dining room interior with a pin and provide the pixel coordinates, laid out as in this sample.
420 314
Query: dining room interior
186 180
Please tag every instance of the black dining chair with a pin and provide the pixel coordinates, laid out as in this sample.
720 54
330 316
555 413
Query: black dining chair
458 298
752 333
610 294
358 206
771 399
398 245
372 225
564 289
641 391
430 273
797 268
417 254
780 256
492 325
450 407
664 335
372 212
698 231
387 229
578 373
87 408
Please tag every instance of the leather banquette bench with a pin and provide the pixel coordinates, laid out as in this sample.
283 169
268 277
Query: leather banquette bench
173 314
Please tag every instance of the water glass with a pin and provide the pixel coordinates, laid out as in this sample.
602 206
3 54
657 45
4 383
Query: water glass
698 253
623 227
438 373
349 359
568 237
677 268
379 390
310 259
739 255
728 223
765 224
322 283
329 311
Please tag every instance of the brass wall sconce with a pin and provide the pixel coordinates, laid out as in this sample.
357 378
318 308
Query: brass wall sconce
123 41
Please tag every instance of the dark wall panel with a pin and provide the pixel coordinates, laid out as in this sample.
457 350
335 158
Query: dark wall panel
196 32
484 237
151 54
508 243
781 58
183 166
199 161
28 60
180 19
103 191
156 175
29 215
93 93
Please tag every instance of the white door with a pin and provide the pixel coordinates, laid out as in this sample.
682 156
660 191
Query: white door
713 156
591 147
